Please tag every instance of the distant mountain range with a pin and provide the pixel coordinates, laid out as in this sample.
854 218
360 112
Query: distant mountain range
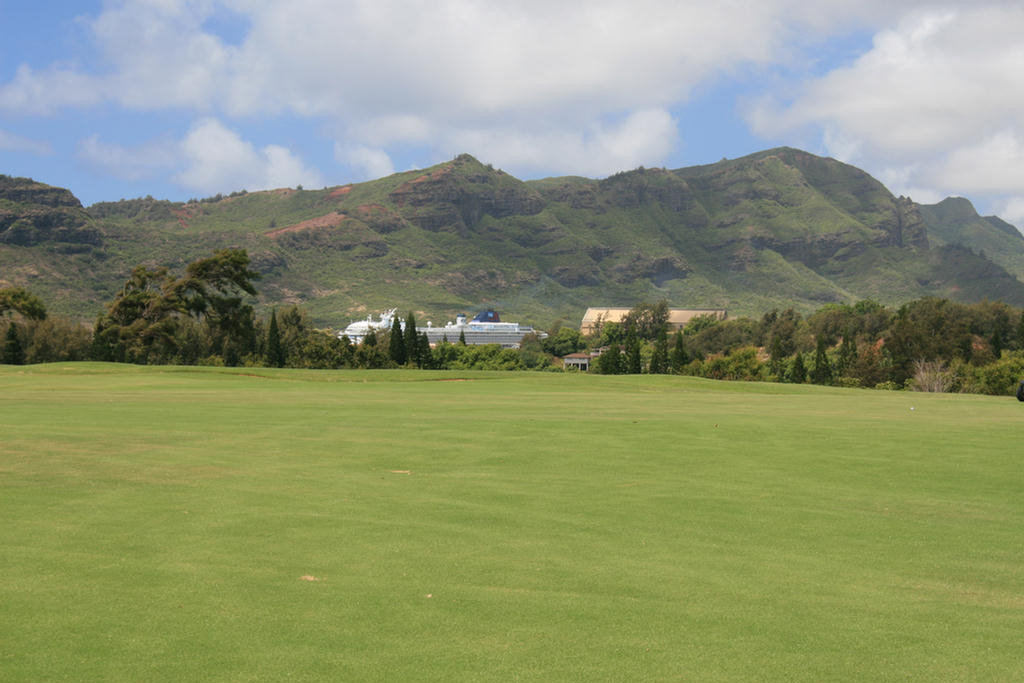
777 228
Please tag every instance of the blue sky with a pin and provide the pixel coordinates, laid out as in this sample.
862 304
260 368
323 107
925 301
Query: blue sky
182 99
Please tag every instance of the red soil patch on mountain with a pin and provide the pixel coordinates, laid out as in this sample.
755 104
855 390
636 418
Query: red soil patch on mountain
345 189
331 220
181 215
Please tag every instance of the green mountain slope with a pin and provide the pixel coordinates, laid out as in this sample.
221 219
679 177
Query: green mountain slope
954 221
777 228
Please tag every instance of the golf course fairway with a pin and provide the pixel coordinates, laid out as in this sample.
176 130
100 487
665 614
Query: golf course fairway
230 525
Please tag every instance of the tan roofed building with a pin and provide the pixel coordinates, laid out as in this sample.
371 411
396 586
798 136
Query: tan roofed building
677 317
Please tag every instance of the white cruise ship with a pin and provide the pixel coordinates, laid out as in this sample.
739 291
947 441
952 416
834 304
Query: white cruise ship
485 328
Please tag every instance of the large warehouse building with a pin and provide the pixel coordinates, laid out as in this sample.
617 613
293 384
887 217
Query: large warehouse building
677 317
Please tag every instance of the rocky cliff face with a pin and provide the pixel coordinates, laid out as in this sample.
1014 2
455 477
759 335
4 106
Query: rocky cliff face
456 196
32 213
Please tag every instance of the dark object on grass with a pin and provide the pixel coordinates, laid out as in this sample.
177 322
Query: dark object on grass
1020 391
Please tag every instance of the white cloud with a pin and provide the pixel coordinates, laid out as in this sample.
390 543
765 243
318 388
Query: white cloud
218 160
211 157
16 143
936 107
44 92
128 163
992 164
578 86
396 72
389 129
372 163
1012 210
642 138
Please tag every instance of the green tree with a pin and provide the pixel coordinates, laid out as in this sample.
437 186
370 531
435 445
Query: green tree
868 367
648 319
55 339
12 353
610 361
275 356
781 335
633 362
659 357
425 358
20 300
396 343
462 338
412 346
797 370
928 329
679 357
563 342
212 291
143 323
369 354
847 354
822 372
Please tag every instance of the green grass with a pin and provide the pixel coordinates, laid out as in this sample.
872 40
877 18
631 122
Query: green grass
513 527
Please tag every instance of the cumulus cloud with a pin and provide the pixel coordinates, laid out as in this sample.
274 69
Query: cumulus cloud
372 163
937 104
439 73
211 157
1011 210
128 163
218 160
579 86
16 143
44 92
641 138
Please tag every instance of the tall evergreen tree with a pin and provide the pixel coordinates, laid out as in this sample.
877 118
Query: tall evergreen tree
610 361
396 343
412 347
423 351
775 362
679 356
997 342
275 355
12 352
633 363
462 338
822 373
847 354
659 358
797 370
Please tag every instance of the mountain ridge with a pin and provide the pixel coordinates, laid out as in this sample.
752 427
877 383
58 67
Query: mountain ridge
776 228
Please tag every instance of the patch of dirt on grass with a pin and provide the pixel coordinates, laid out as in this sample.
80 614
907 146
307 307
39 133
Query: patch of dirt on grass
965 594
309 577
400 471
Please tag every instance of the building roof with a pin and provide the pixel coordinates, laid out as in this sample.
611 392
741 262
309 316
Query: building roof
677 317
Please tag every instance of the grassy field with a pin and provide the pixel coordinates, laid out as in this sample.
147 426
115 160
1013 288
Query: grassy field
259 525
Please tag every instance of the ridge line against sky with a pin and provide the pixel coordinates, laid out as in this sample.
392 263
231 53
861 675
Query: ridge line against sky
191 98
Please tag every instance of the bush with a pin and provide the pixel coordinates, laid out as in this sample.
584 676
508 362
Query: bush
999 378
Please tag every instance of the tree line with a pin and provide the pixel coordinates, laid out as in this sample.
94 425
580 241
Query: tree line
930 344
205 316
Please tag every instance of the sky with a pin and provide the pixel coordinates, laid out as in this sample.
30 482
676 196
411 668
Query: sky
178 99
